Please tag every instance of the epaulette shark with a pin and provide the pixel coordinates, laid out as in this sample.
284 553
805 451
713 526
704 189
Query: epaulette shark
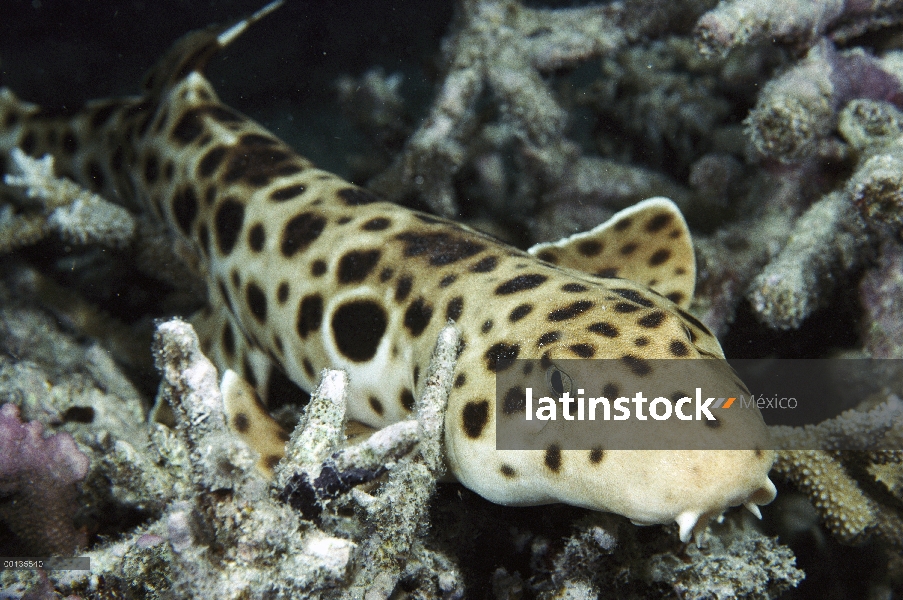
306 271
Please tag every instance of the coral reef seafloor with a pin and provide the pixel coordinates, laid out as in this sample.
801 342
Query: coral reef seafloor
776 127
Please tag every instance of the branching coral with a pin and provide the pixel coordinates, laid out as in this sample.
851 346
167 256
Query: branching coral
501 48
219 526
738 22
826 242
870 443
880 291
72 212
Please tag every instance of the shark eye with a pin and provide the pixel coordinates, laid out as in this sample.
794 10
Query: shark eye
558 381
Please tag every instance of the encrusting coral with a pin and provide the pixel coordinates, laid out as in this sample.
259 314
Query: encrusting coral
38 477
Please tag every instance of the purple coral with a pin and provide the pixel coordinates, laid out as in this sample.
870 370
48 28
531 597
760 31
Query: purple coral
38 477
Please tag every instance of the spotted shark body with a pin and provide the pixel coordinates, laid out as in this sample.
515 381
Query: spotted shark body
306 271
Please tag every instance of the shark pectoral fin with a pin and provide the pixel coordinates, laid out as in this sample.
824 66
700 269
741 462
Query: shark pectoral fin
648 243
249 419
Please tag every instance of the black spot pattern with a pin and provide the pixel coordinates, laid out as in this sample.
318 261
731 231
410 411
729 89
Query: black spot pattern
406 398
659 257
602 328
248 372
583 350
318 268
596 455
520 312
454 308
417 316
589 248
460 380
641 342
211 161
356 196
714 424
548 338
185 210
287 193
485 265
376 405
474 418
300 232
521 283
652 320
626 308
440 248
508 471
310 314
553 458
355 266
241 423
623 224
229 340
376 224
282 292
257 302
675 297
255 160
515 401
678 348
448 280
357 328
637 366
189 127
229 219
308 368
628 249
569 312
403 288
573 288
256 237
487 326
634 296
658 222
501 356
